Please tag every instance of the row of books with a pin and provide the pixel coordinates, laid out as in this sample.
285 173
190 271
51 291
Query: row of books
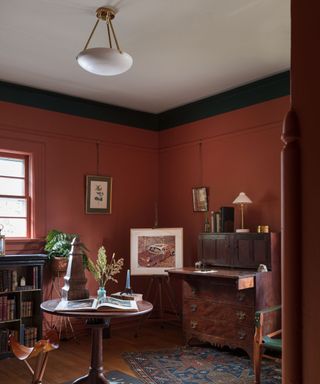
26 309
4 338
30 336
11 280
7 308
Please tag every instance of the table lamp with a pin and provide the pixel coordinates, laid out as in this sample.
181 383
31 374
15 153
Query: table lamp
242 200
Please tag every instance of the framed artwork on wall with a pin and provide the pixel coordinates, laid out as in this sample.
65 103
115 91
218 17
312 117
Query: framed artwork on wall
154 250
200 199
98 194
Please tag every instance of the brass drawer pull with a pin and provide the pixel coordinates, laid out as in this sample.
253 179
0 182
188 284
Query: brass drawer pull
241 296
193 324
193 307
241 315
242 335
194 291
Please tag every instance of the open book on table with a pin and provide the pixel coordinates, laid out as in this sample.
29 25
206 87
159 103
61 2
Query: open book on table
92 304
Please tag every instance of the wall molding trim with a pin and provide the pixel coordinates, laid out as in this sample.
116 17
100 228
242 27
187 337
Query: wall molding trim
269 88
214 137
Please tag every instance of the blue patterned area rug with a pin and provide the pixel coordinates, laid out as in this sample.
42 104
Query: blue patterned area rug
194 365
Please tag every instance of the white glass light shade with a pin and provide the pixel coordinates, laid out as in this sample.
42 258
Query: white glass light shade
104 61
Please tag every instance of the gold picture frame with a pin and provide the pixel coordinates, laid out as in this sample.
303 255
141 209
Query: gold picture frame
200 199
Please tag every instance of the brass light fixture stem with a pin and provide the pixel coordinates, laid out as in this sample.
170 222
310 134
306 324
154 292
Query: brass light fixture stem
114 36
107 14
91 34
109 37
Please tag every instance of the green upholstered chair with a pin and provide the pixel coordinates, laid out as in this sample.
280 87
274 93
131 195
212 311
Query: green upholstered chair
266 339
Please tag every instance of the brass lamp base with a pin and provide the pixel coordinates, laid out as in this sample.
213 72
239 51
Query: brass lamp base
242 230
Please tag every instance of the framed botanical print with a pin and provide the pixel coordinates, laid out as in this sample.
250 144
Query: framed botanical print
98 194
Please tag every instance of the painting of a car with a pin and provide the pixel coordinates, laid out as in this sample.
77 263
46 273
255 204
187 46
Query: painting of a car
155 253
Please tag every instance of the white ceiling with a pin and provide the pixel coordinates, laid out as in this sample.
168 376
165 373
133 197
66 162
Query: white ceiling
183 50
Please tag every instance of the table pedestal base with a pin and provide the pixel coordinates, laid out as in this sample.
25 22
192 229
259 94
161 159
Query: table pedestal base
95 374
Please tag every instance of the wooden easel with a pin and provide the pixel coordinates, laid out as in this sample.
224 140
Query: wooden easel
160 286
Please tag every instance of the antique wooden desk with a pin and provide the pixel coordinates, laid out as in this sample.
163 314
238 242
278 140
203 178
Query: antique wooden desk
97 321
219 306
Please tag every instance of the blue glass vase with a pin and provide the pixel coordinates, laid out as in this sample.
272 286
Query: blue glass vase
101 294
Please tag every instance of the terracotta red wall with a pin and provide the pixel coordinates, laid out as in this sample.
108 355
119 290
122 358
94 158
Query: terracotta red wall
229 153
240 151
65 150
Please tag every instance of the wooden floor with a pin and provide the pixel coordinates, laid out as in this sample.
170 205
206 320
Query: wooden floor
71 360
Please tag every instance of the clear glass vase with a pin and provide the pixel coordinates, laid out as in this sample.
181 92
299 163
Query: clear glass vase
101 293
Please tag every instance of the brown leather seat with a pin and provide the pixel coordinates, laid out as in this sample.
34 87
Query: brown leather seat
40 351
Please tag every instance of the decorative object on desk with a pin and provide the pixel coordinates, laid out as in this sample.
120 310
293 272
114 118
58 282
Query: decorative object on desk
98 194
262 268
58 247
2 242
103 271
154 250
75 281
198 365
128 290
242 200
200 199
206 228
212 221
227 219
217 221
263 229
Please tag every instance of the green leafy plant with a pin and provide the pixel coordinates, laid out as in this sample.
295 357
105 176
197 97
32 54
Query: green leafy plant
102 270
58 244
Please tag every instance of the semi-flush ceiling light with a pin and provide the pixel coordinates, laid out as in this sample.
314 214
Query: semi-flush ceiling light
104 61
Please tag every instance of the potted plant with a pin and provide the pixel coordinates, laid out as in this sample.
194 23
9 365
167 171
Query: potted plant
58 246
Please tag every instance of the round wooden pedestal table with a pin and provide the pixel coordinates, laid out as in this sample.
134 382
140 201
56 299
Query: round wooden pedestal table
97 321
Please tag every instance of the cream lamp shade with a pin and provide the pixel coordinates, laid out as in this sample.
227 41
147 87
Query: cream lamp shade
105 61
242 200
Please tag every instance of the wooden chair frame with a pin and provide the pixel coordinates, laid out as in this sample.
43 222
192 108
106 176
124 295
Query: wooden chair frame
264 339
40 350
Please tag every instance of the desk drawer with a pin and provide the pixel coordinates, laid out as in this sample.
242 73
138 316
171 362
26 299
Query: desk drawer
236 315
219 293
222 330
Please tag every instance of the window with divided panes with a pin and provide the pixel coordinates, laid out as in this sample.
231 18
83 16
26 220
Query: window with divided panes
14 195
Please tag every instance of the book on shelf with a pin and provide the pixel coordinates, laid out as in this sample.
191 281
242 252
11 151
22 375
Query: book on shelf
109 304
128 296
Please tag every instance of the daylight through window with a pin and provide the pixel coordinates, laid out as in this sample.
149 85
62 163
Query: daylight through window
14 195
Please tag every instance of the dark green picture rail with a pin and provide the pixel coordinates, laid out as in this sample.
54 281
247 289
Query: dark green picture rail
257 92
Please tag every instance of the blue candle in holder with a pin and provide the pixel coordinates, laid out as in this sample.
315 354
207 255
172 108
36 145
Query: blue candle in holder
127 290
128 286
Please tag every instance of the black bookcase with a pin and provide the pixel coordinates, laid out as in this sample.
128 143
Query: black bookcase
20 298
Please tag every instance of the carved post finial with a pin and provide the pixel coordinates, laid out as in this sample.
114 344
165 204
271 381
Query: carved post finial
75 281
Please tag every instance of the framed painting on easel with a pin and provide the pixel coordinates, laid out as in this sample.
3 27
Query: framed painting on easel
154 250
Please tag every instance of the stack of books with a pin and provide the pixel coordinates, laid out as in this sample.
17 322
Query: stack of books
7 308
